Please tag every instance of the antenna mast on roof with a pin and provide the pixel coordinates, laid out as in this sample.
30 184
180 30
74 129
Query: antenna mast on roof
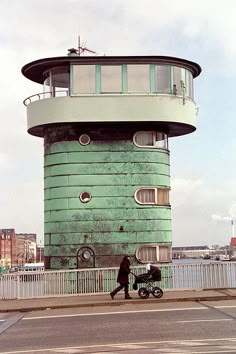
82 49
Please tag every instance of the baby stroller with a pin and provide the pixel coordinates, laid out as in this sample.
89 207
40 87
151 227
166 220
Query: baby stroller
153 275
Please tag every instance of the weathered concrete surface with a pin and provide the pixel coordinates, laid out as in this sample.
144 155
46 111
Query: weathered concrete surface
112 223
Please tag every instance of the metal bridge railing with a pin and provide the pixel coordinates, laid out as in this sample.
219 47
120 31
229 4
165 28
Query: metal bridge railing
102 280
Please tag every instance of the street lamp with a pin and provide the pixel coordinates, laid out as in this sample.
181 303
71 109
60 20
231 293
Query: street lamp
232 225
40 251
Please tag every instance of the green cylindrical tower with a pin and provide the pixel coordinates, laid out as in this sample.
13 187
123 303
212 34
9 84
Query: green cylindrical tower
106 122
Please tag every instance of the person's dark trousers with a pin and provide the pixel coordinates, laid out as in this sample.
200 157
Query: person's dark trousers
120 287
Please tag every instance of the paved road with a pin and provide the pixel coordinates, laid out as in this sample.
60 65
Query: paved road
186 327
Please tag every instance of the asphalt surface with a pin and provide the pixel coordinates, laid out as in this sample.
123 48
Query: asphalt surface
24 305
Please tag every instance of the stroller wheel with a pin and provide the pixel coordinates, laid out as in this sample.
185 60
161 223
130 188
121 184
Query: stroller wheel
157 292
143 293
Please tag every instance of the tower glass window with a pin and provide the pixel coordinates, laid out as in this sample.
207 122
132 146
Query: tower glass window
138 78
144 139
179 79
147 254
146 196
162 75
161 140
164 253
151 139
111 78
57 79
189 84
83 79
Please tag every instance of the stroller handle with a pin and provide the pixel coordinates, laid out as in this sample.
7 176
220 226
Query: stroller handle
133 274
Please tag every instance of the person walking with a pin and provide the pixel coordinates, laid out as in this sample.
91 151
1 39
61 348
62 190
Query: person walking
123 278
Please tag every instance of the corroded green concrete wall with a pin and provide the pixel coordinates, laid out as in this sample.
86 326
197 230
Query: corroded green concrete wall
112 223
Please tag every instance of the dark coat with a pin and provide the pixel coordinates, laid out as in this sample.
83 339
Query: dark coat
123 274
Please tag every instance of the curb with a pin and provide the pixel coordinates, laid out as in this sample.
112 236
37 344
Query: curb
119 303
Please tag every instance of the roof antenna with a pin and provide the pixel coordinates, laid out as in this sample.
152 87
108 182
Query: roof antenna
82 49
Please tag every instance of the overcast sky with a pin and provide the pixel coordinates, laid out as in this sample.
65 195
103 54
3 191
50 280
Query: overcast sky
203 164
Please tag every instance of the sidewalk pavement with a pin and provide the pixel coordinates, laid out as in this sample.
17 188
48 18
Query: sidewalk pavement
24 305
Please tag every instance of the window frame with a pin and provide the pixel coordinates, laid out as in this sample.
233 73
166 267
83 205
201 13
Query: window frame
103 79
51 79
129 81
157 253
131 78
85 200
156 201
77 82
167 90
81 138
154 140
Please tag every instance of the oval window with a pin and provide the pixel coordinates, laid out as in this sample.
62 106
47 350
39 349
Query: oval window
84 139
151 139
154 253
146 196
85 197
86 255
152 195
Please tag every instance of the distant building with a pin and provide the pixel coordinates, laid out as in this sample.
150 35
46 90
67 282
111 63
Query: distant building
27 236
233 242
26 248
17 249
8 255
233 248
39 254
190 252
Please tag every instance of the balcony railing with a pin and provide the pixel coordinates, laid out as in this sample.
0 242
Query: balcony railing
61 93
103 280
43 95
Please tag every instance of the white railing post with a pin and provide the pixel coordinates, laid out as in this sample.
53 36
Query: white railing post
18 287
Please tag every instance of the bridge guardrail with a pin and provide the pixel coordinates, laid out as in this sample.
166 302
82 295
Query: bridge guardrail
102 280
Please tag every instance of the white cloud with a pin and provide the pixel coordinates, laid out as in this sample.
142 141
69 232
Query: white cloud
231 214
221 218
182 190
200 212
232 210
3 161
186 185
21 206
